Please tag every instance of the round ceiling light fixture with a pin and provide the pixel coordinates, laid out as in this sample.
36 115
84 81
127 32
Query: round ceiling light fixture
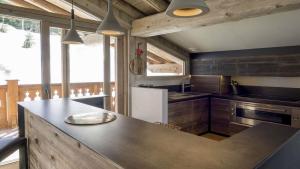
187 8
72 36
110 25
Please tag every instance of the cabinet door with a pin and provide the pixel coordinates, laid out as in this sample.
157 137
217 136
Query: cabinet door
220 115
192 116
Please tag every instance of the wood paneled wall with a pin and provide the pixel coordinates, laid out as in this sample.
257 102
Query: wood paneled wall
281 61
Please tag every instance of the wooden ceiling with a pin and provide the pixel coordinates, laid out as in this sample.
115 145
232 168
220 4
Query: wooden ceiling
149 7
146 17
134 8
53 6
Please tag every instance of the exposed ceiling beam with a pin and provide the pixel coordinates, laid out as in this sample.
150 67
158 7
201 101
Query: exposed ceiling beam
157 58
151 61
55 19
22 3
157 5
66 5
142 6
49 7
98 8
125 7
157 61
220 11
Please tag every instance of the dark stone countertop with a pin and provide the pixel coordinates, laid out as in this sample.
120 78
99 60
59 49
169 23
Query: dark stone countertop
179 97
135 144
257 100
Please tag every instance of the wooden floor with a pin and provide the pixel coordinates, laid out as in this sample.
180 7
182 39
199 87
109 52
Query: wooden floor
213 136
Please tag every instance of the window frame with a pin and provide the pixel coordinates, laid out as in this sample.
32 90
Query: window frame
185 60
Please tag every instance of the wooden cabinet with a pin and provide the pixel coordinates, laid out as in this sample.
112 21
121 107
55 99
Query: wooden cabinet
221 110
192 115
220 115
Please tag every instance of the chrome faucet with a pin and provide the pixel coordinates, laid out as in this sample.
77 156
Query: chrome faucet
183 85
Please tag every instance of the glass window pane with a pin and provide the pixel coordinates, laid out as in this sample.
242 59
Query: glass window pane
20 50
86 60
162 63
55 55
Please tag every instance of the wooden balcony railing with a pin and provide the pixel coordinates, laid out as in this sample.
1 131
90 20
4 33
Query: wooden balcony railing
12 92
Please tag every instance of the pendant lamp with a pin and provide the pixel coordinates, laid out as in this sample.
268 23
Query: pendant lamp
110 25
72 36
187 8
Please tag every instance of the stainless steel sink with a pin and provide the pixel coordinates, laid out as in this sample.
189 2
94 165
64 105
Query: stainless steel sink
174 95
90 118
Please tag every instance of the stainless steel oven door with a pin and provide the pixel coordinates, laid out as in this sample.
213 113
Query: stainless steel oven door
246 121
251 114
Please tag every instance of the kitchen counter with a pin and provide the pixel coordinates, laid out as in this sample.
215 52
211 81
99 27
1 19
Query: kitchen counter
178 97
135 144
257 100
174 97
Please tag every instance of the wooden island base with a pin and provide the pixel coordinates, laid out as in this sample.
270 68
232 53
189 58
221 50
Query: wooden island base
52 149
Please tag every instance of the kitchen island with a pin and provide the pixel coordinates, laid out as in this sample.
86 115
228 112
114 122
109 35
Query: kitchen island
133 144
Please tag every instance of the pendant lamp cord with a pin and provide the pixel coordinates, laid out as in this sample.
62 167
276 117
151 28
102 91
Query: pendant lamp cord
72 11
109 5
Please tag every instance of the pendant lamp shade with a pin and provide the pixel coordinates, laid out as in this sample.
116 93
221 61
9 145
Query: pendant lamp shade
72 36
110 25
187 8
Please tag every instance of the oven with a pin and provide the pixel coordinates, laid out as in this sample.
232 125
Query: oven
251 114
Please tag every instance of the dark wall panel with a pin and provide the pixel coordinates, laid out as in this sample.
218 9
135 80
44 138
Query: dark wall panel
281 61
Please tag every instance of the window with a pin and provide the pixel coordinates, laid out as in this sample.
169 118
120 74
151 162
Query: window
161 63
55 55
86 60
20 50
86 63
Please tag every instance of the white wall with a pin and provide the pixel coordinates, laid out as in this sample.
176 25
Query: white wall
290 82
280 29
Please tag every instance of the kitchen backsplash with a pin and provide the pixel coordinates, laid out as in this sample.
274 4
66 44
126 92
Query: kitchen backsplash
272 62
